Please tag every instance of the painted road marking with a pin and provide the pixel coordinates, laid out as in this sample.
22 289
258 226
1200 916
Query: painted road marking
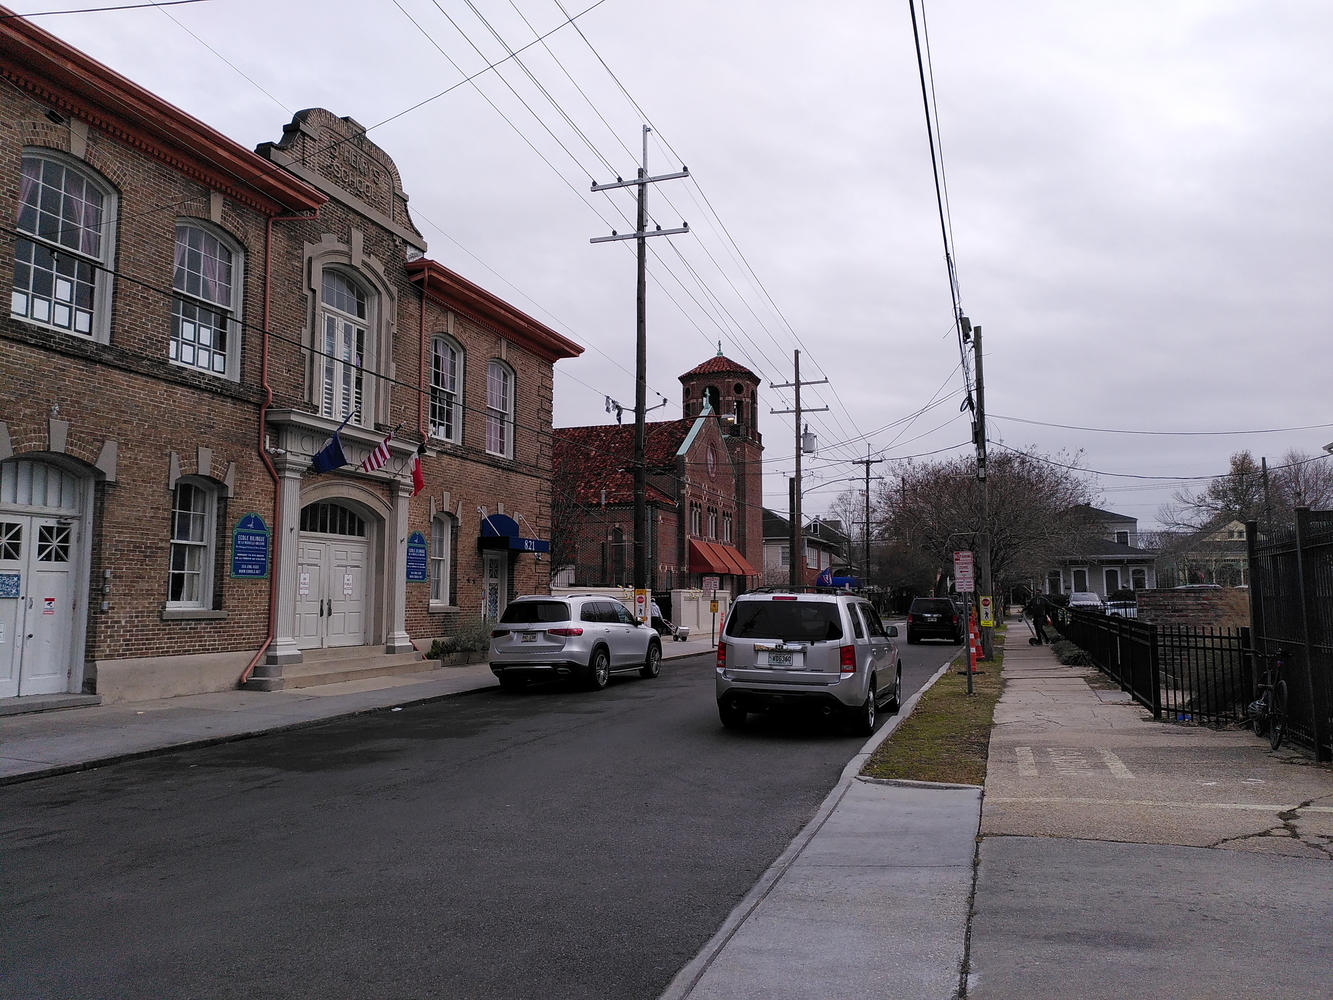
1027 764
1114 763
1069 760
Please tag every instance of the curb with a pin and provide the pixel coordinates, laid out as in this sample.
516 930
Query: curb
682 985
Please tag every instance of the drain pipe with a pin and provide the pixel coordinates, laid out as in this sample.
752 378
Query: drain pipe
421 362
276 534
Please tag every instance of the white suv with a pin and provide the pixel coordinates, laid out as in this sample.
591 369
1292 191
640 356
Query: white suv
789 649
588 636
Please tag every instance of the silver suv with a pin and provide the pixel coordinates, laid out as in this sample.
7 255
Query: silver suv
826 650
587 637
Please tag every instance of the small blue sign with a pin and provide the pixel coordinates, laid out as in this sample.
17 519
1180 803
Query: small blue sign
249 548
416 557
10 584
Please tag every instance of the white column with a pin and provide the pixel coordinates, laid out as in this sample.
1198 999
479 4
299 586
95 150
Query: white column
396 639
284 648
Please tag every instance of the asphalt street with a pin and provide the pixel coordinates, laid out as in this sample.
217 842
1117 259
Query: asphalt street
556 843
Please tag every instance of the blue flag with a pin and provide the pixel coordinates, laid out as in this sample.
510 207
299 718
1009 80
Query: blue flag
825 579
331 456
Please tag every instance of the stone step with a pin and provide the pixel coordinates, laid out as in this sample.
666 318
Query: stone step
323 668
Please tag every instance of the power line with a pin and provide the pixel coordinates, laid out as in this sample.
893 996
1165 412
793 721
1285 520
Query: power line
98 10
1107 430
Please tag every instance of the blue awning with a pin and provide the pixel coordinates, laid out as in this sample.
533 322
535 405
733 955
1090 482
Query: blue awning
500 531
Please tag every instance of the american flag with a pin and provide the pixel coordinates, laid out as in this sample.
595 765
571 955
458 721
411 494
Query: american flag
377 458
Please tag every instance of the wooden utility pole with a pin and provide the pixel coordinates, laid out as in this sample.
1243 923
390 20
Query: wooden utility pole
641 235
796 535
867 462
979 433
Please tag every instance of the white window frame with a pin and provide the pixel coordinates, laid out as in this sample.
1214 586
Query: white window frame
341 385
229 310
441 560
99 315
499 409
204 547
450 410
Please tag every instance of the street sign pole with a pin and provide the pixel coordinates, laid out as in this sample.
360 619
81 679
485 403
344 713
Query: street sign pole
964 581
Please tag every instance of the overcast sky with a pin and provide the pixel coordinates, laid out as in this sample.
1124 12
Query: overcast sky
1139 193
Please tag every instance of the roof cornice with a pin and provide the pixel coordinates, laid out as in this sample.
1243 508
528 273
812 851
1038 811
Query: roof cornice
452 291
62 77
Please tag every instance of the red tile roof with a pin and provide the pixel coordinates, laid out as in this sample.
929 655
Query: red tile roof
599 458
718 365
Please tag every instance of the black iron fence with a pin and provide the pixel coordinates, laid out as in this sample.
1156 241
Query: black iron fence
1180 672
1291 606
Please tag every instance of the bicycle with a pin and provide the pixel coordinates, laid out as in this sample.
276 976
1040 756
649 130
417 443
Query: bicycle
1268 712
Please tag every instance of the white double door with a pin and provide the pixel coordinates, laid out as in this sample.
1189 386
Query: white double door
332 606
37 603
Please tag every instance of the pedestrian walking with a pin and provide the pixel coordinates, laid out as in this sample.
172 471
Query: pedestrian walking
1036 610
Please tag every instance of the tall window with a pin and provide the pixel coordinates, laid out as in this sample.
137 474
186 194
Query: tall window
696 519
201 311
726 527
499 410
60 260
441 546
446 403
712 522
343 325
191 571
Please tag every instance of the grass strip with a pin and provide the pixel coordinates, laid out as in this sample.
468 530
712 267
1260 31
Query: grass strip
947 736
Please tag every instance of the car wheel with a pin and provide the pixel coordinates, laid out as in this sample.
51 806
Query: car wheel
733 716
599 670
897 701
865 715
653 665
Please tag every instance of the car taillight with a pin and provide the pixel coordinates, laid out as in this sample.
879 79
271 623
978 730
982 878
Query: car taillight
564 631
847 659
955 619
721 656
783 597
496 633
909 619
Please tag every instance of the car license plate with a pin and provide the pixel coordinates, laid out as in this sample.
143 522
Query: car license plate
779 659
528 637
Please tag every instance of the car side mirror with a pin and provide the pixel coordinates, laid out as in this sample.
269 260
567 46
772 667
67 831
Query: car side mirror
893 631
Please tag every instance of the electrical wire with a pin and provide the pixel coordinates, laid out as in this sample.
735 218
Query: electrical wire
1107 430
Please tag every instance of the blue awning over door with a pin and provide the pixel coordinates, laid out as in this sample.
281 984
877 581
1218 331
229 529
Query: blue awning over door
500 531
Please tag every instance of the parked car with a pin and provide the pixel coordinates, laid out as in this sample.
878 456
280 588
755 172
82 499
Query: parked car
586 637
934 618
827 651
1084 600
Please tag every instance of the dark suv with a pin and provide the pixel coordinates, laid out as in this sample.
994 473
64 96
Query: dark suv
934 618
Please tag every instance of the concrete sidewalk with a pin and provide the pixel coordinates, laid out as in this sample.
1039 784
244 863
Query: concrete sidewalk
1132 857
1118 857
56 742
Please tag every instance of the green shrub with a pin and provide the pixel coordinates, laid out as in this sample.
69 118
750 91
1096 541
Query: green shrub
442 647
473 634
1070 655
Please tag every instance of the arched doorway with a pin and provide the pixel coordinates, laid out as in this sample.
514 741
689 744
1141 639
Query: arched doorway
334 576
43 576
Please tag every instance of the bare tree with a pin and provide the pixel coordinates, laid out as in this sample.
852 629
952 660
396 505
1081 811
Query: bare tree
1302 480
1040 510
1298 479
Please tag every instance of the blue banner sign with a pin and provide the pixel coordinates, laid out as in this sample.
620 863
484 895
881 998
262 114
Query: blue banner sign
416 557
249 548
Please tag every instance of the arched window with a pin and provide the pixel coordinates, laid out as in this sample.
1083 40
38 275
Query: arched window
203 330
441 551
190 573
711 397
343 322
60 260
499 410
446 397
332 519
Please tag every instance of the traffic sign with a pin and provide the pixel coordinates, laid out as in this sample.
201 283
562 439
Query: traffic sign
987 612
641 605
963 581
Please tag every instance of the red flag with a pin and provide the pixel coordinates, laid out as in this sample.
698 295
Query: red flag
418 480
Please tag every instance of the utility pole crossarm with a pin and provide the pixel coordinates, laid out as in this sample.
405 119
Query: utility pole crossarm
684 228
618 183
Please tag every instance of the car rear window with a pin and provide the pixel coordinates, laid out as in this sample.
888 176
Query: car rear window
801 621
934 606
527 612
